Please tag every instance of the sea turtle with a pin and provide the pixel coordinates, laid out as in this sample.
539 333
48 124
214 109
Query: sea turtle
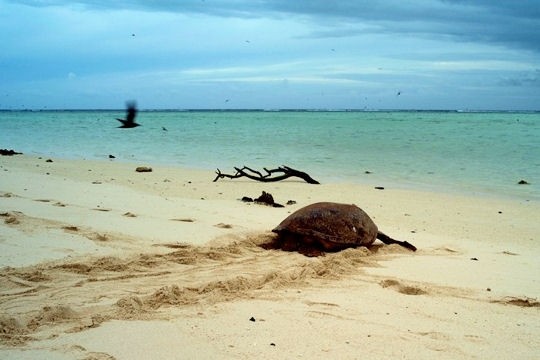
328 226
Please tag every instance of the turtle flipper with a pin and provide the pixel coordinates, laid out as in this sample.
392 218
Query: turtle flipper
388 240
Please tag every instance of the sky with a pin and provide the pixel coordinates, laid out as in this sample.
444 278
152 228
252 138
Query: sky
270 54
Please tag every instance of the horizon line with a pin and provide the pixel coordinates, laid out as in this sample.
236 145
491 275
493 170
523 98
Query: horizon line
276 110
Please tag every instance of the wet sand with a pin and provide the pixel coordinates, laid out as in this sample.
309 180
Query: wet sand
99 261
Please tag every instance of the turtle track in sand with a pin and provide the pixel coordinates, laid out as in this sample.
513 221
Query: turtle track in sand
47 299
71 295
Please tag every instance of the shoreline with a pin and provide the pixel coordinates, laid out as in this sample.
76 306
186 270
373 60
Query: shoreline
366 181
465 153
99 259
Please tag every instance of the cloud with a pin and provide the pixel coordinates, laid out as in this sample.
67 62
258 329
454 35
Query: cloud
509 23
271 53
476 21
527 79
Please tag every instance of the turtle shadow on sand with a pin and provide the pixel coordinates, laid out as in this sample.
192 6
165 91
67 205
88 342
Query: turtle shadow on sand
328 227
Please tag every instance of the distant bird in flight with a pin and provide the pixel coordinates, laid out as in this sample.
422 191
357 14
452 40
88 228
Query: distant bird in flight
131 112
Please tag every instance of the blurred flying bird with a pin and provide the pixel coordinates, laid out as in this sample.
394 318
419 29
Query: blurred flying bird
131 112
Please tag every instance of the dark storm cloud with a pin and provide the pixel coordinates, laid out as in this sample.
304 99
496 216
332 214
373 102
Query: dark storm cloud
509 23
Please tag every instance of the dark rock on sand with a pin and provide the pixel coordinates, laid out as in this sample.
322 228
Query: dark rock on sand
143 169
264 199
267 199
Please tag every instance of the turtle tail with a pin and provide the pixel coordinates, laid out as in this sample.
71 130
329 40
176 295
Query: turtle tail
388 240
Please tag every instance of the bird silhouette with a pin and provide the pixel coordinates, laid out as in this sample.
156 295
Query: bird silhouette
131 112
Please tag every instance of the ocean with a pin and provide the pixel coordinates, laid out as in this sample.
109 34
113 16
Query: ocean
477 153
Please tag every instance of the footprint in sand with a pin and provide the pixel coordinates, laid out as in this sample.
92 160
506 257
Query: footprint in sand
184 220
175 246
435 335
70 228
52 315
57 203
522 302
506 252
447 250
325 314
322 304
10 219
31 276
100 237
474 338
401 288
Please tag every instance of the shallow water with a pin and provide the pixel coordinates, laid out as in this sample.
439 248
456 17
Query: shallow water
480 153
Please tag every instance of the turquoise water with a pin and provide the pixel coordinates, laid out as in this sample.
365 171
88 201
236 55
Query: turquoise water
480 153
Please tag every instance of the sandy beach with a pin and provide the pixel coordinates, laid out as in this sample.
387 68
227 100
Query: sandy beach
99 261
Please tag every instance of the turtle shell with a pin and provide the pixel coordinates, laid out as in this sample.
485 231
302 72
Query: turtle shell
333 225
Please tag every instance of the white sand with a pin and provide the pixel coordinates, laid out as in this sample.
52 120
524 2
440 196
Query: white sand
100 262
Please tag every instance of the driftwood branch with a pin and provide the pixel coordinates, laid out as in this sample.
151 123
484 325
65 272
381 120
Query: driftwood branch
270 176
